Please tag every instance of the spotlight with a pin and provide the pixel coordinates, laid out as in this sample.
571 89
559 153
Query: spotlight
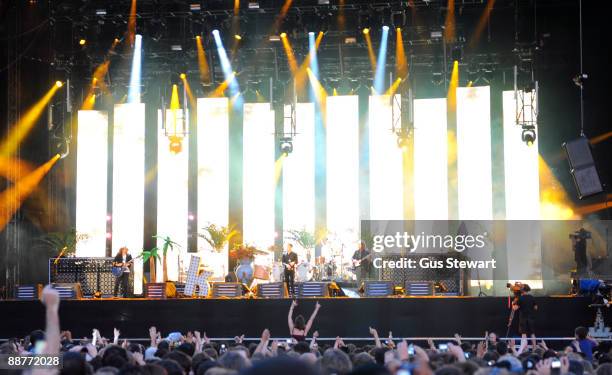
403 138
253 5
283 35
82 42
237 37
311 33
59 83
215 32
274 38
528 135
286 145
183 76
366 30
385 28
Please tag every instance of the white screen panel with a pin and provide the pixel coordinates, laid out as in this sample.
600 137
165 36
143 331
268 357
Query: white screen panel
128 182
386 167
522 188
342 127
258 186
299 173
474 178
92 160
172 193
430 160
213 174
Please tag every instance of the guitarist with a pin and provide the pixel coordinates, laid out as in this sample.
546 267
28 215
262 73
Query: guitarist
362 262
124 260
290 260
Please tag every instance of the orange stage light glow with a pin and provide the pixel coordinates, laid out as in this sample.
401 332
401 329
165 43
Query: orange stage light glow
202 62
401 67
449 23
21 129
371 54
12 198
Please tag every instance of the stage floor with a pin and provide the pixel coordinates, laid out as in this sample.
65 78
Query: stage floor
345 317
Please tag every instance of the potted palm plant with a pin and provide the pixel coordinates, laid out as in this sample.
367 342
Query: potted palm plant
152 256
63 243
218 236
167 245
305 239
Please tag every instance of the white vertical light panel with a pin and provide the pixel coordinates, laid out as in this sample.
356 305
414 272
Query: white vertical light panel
172 193
386 167
474 176
299 173
92 160
522 188
128 182
430 160
342 128
522 181
258 186
213 174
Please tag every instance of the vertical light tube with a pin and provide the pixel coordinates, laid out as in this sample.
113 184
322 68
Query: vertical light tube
386 170
522 188
213 173
299 174
343 167
474 175
430 160
128 182
92 160
258 175
172 193
135 77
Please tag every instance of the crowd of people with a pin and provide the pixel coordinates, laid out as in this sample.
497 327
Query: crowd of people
194 353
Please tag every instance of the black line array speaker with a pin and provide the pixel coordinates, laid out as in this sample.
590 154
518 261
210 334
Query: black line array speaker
582 167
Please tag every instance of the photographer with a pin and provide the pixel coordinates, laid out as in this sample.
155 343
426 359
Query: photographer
526 306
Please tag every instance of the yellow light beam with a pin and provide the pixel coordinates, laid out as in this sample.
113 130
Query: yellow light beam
290 55
278 168
319 91
20 130
482 23
12 198
301 74
219 90
11 168
341 17
97 81
451 95
371 53
192 100
393 88
600 138
449 23
401 63
281 16
202 62
555 204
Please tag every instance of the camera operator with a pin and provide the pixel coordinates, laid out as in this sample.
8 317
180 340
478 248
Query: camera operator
579 245
526 306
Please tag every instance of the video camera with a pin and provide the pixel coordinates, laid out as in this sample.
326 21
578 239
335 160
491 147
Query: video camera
515 288
580 234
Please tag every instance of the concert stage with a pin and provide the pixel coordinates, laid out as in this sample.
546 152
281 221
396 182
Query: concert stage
345 317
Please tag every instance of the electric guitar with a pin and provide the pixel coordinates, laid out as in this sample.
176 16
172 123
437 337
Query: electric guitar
357 262
289 266
118 270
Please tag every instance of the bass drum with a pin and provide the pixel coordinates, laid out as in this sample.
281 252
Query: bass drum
277 272
244 273
303 272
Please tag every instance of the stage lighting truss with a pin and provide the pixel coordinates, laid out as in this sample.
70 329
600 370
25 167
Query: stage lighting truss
286 140
399 104
526 100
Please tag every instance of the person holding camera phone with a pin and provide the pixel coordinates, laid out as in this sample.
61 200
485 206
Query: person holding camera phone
526 306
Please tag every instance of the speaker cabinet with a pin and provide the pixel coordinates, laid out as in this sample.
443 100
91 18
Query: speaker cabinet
582 167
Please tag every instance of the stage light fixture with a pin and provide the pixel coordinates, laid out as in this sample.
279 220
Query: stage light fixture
283 35
82 42
195 7
366 30
350 40
403 139
176 47
385 28
274 38
528 134
323 2
253 5
237 37
286 145
183 76
59 83
100 12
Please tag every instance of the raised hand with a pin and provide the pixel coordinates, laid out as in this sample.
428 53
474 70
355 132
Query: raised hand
294 303
265 335
315 334
116 332
50 298
402 350
317 305
206 339
373 331
431 344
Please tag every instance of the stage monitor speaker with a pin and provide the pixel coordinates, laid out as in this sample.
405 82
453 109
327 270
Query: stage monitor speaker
68 290
419 288
378 288
312 289
230 290
582 167
271 290
28 292
155 290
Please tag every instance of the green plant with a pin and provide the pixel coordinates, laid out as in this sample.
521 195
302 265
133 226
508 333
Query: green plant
167 245
218 236
303 238
63 242
151 256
